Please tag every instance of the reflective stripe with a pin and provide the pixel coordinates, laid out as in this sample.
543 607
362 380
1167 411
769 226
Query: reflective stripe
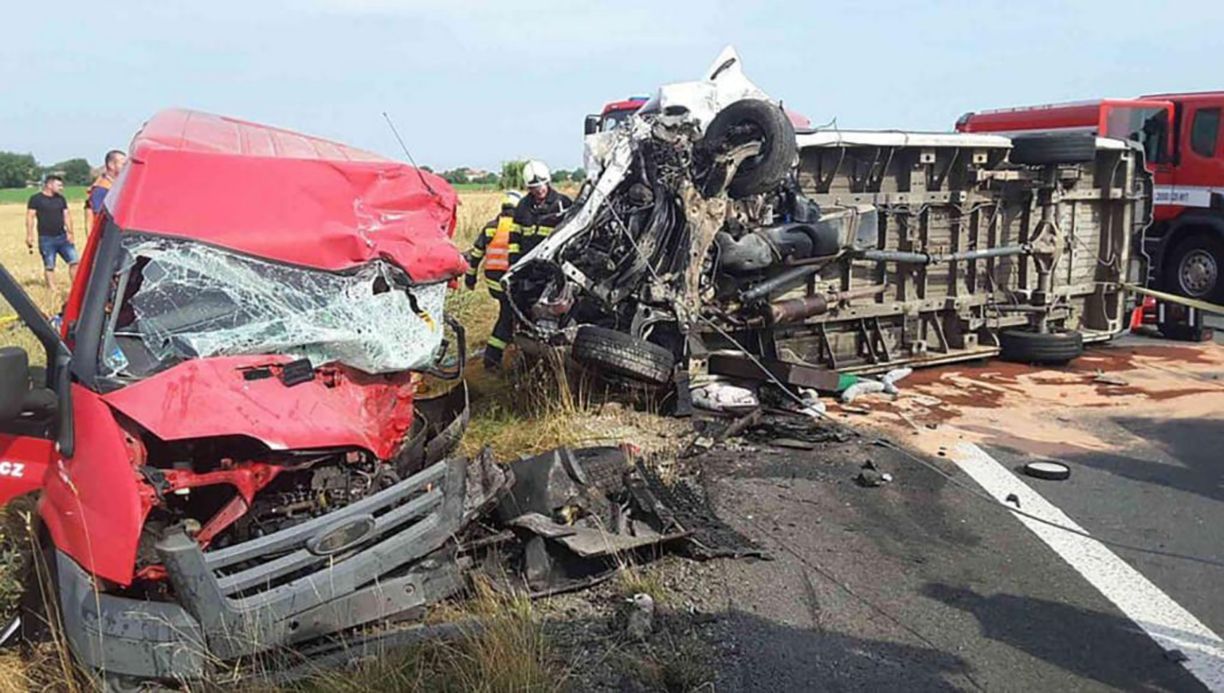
476 252
496 343
544 230
493 285
513 247
498 261
499 248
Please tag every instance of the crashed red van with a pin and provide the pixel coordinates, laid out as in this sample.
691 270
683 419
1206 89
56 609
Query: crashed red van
226 437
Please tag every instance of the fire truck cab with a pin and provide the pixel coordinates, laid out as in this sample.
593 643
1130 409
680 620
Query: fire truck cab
1181 136
613 114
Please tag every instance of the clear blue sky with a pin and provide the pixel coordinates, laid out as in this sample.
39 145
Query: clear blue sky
475 84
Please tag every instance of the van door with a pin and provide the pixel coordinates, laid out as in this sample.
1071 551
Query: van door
32 361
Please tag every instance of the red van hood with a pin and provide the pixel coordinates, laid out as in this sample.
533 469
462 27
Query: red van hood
244 396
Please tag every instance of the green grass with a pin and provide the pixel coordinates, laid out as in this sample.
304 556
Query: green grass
476 187
74 193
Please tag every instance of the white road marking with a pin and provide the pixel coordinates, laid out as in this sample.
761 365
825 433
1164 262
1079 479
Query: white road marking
1163 619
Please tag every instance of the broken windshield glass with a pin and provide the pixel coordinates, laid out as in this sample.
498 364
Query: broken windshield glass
184 300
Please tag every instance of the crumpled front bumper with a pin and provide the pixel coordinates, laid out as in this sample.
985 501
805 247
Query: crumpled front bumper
362 563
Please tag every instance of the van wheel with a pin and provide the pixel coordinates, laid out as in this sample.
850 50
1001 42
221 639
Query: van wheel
749 120
1026 346
1053 148
1193 268
620 354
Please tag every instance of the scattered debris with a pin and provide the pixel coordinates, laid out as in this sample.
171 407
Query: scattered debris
1104 378
1049 470
870 476
1176 656
639 616
795 432
812 404
886 384
741 424
578 512
1013 499
718 394
862 387
894 376
793 444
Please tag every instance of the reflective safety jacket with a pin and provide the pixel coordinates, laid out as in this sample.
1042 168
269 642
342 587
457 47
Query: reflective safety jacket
534 221
492 245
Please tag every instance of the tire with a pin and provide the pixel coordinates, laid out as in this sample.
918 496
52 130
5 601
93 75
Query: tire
624 355
1184 333
1025 346
1195 268
1053 148
747 120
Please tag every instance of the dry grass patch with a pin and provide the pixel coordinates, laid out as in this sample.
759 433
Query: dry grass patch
632 579
507 653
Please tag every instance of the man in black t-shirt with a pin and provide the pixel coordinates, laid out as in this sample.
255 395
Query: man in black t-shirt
48 211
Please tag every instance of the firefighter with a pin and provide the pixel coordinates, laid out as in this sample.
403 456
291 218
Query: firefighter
492 245
538 213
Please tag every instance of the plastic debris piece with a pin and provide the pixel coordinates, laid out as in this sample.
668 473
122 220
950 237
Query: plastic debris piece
862 387
894 376
718 395
639 620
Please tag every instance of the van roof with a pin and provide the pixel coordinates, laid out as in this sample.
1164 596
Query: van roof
284 196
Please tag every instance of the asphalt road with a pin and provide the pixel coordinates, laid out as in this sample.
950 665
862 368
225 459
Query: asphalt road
921 585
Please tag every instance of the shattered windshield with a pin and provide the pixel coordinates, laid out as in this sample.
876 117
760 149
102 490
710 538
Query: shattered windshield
174 300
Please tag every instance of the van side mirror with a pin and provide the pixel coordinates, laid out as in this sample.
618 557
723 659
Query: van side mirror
14 381
591 125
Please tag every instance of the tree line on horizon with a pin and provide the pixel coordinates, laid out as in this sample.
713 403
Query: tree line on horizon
22 170
510 177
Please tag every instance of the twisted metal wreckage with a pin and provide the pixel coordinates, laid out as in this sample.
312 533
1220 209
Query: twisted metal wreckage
233 467
714 239
234 464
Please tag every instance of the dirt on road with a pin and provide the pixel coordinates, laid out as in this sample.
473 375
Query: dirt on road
1028 408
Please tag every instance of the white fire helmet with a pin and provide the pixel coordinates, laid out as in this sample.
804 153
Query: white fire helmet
535 174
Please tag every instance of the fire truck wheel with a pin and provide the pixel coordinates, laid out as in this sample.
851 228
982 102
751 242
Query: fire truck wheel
1193 268
1026 346
623 355
748 120
1053 148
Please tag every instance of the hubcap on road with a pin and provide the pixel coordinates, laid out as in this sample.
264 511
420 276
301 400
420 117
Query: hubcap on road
1198 273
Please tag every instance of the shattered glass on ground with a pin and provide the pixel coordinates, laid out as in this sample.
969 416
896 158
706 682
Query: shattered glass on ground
185 300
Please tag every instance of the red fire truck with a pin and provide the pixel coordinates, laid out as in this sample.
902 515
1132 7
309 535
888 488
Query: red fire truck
1181 135
614 113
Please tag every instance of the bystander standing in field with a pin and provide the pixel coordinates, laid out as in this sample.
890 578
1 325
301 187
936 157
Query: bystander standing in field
47 211
96 194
